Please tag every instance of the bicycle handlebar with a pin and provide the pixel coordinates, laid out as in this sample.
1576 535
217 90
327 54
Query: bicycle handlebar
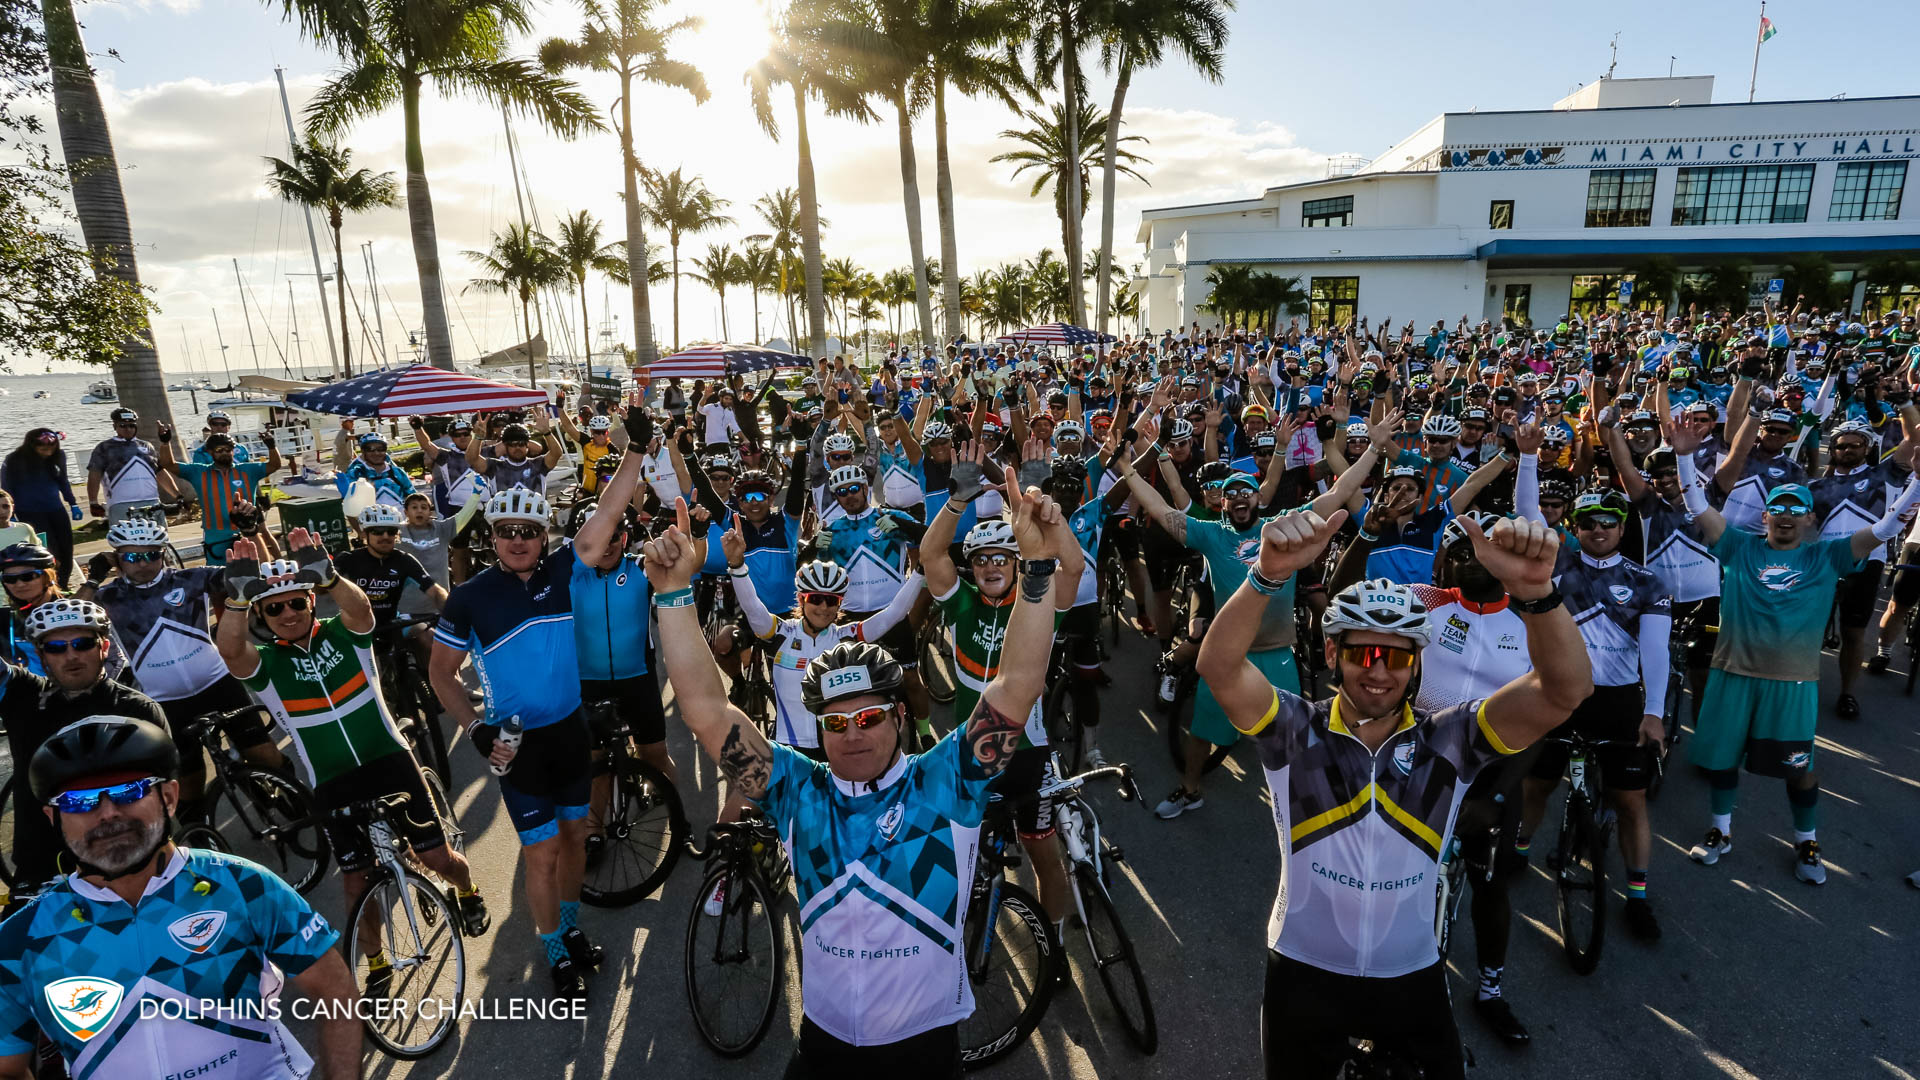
362 809
420 618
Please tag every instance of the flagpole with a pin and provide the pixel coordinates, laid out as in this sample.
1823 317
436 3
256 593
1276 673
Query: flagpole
1759 32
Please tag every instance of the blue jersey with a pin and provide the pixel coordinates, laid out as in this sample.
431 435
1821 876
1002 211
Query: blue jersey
1405 555
772 559
610 613
170 988
390 485
873 553
520 635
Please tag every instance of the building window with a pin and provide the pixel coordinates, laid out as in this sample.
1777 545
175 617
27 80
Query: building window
1325 213
1519 298
1333 301
1867 191
1593 294
1742 195
1619 198
1500 214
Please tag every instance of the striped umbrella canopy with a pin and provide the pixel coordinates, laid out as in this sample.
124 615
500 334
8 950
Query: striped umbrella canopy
1057 333
718 359
414 390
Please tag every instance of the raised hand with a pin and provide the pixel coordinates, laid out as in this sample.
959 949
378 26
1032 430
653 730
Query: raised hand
1031 521
1519 552
1382 433
967 481
671 558
733 543
1034 463
1680 435
1530 438
307 550
1293 542
1389 509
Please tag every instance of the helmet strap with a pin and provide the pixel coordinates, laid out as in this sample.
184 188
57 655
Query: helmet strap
148 863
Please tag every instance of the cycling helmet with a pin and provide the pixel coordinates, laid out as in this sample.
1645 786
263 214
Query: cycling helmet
1777 416
838 443
380 516
1455 533
1409 472
1180 430
281 579
517 504
1264 441
1067 429
1789 384
136 532
1556 488
1856 427
753 480
846 474
1069 474
1599 502
101 747
123 415
514 433
827 577
371 437
719 462
1642 418
606 465
1357 429
993 534
850 669
1439 426
1661 454
25 555
1377 604
1213 472
1256 409
1555 435
217 414
599 424
936 432
217 440
65 614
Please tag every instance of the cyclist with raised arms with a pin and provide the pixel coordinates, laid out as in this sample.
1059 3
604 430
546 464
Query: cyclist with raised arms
883 987
1365 789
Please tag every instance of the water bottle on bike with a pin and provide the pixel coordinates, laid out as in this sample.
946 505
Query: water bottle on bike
510 738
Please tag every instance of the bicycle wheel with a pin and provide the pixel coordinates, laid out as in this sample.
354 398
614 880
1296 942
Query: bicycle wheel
428 712
644 828
736 962
1010 966
1064 731
407 921
1580 884
202 836
270 819
936 661
442 803
1116 962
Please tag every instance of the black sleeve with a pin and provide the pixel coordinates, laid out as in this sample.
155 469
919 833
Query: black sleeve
797 482
709 498
411 567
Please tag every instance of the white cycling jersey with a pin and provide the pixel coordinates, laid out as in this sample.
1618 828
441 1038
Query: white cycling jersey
1476 649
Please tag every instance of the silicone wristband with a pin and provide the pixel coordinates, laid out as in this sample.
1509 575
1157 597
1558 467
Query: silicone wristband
1266 585
679 598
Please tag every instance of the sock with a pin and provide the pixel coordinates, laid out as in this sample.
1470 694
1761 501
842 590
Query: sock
377 960
556 949
475 891
1490 982
1060 930
569 915
1802 837
1636 884
1522 844
1723 822
1806 809
1886 648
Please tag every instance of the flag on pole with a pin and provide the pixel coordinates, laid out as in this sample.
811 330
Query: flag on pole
1767 29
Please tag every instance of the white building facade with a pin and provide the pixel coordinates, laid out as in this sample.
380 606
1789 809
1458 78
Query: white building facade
1531 215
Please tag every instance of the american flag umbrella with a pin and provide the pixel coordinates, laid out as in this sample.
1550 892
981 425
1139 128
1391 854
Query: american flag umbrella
1057 333
718 359
414 390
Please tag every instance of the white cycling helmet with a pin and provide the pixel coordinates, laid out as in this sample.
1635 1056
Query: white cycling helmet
1377 604
280 579
517 504
991 535
1555 435
1180 430
936 431
1357 429
839 443
844 475
216 414
137 532
380 515
1856 427
65 614
1454 533
1068 429
827 577
599 424
1440 426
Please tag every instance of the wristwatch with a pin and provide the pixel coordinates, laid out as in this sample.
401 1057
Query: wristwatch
1036 567
1536 607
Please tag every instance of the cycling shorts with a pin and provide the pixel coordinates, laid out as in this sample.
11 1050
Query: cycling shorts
636 701
1123 534
1309 1014
1858 591
1768 723
931 1055
394 774
1164 555
899 642
1081 631
1610 712
1906 583
1031 767
550 779
225 695
1705 617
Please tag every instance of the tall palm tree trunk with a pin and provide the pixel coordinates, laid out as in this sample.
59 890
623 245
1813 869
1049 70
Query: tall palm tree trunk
1103 305
724 336
943 199
426 241
644 350
673 241
916 247
334 218
586 325
1070 77
809 228
101 204
757 339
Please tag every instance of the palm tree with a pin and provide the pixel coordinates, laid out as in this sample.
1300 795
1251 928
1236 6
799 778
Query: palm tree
891 64
322 176
841 279
1047 148
759 271
683 206
967 40
521 262
781 211
1136 35
897 287
1231 295
101 205
1060 29
1271 296
576 243
803 59
620 36
719 268
1006 306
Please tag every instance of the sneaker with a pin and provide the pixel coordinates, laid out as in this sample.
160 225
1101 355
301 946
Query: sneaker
1847 708
568 982
1809 868
1640 920
379 981
1095 759
1498 1015
1169 685
1709 849
581 951
1179 803
596 849
473 911
1877 663
716 900
1913 879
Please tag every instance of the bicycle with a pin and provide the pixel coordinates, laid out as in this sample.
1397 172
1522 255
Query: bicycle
1580 867
1113 594
1011 959
638 821
1912 635
1066 728
1309 654
1088 854
409 694
935 649
259 815
412 924
1180 720
736 961
1454 865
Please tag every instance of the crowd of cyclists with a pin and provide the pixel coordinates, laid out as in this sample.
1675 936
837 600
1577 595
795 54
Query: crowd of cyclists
1512 544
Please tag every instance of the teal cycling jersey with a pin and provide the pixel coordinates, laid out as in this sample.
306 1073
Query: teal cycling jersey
873 552
610 613
882 871
177 987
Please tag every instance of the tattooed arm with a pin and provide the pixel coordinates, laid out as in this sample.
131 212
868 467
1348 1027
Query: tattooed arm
993 731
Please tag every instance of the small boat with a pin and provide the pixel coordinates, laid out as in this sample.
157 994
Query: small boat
39 394
100 393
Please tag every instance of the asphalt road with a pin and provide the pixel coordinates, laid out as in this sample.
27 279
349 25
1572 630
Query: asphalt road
1758 975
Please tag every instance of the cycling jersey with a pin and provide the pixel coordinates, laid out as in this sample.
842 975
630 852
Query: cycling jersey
19 647
1675 550
772 558
529 473
1850 501
589 454
324 693
611 609
883 871
1405 554
1759 475
204 456
1229 552
520 636
1482 647
794 646
161 628
218 489
1439 479
1774 604
391 484
979 626
873 552
1361 832
1625 617
80 964
902 481
1087 523
382 579
128 468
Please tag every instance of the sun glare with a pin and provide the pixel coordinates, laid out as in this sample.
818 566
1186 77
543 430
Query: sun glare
735 35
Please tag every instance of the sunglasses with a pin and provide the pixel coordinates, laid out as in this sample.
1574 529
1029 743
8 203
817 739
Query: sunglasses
1365 656
50 437
84 643
1553 504
274 607
850 489
837 722
754 497
840 457
1262 453
15 579
219 423
1789 509
87 800
996 558
1666 474
382 530
825 599
1597 521
517 531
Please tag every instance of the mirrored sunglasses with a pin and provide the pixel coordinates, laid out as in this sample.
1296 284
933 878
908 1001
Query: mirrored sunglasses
825 599
1789 509
86 800
837 722
1365 656
519 531
83 643
137 557
990 558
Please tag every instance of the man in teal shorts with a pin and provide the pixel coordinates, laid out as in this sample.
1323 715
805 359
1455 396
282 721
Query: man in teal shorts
1763 693
1230 545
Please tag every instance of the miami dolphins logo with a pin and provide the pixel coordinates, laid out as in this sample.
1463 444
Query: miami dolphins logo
175 597
196 933
1247 550
889 823
82 1003
1621 594
1799 759
1779 578
1403 758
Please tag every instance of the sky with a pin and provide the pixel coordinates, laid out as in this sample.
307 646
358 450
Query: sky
191 98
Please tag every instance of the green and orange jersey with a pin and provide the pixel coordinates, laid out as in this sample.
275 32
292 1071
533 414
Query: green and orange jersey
322 692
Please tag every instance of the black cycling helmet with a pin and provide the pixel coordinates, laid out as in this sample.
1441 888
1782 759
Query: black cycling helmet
1068 474
24 554
850 669
516 433
101 746
1213 471
1556 488
753 480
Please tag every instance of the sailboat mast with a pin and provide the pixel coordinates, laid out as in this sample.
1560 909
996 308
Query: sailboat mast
246 314
313 241
222 339
299 350
373 291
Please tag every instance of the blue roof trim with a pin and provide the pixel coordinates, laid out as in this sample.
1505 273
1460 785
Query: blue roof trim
1706 245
